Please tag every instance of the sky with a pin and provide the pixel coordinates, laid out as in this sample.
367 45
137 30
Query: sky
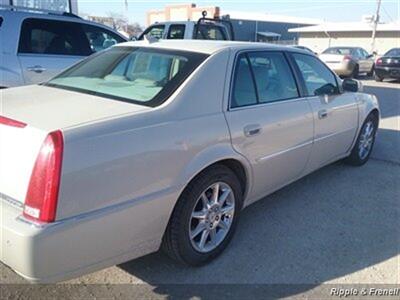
335 11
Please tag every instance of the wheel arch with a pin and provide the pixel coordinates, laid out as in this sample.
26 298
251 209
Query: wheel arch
219 155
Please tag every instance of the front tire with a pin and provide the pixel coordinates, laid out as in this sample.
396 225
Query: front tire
365 142
205 217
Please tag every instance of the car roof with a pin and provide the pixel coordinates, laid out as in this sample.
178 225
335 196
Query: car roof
207 46
6 13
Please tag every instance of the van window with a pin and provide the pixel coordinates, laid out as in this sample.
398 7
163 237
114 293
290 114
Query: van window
41 36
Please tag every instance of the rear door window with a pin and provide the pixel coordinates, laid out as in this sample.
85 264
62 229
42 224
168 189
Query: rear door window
262 77
244 89
209 32
41 36
100 38
273 76
176 31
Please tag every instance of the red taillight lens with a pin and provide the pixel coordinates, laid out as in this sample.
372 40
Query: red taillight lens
347 57
378 61
41 198
11 122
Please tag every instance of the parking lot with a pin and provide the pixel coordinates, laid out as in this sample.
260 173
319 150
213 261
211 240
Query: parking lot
338 225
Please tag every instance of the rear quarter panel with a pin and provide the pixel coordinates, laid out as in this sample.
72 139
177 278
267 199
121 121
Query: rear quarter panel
151 153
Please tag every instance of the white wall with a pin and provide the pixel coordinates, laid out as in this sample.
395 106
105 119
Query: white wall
318 42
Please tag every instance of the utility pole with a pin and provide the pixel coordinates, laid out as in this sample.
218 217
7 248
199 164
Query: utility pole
376 21
126 16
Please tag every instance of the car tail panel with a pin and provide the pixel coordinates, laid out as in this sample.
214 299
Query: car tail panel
18 151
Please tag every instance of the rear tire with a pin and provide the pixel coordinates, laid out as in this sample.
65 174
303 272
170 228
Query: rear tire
365 142
377 77
371 73
180 240
355 72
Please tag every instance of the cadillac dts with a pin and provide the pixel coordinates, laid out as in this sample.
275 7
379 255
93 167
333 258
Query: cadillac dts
150 145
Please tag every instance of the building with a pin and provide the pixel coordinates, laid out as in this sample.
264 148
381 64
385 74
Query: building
263 27
248 26
359 34
57 5
181 12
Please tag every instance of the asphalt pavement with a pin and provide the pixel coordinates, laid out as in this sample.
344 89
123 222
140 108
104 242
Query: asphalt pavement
339 225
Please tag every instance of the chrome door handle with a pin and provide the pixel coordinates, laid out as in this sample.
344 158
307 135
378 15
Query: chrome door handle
252 130
322 114
36 69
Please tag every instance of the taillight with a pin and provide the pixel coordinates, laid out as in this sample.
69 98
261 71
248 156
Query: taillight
11 122
41 198
378 61
347 58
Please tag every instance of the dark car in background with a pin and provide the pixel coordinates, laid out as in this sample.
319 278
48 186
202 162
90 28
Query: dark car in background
388 66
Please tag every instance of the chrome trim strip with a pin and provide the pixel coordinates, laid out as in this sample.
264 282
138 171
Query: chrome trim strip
284 151
333 134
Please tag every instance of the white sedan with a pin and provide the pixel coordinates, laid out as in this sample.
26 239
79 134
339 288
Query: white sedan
148 145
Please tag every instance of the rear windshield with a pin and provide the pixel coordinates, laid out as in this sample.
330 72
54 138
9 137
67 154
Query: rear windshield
393 52
341 51
144 76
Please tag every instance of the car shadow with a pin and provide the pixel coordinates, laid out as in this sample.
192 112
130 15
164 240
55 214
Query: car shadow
334 222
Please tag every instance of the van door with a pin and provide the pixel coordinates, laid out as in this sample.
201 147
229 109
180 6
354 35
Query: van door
48 46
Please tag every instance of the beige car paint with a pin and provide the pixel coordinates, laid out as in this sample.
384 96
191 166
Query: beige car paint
125 165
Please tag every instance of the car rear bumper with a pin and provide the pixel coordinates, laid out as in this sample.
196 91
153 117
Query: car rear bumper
342 68
62 250
387 72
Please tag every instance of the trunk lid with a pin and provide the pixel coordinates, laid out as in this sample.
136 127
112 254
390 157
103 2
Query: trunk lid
43 110
331 58
391 61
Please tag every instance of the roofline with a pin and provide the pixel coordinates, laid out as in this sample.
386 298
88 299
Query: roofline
347 27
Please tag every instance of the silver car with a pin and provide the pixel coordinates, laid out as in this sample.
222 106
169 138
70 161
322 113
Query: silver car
36 45
161 145
348 61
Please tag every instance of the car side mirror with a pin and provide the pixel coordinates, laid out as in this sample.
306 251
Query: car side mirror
351 85
370 56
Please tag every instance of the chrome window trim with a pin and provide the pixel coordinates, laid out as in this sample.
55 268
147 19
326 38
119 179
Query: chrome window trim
231 81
